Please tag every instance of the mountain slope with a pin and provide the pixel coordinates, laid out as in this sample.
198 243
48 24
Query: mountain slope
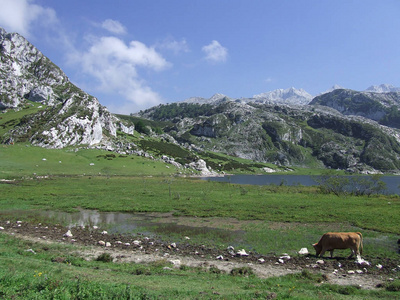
288 96
306 136
69 116
381 107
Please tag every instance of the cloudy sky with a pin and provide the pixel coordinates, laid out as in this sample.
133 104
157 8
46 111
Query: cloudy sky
134 54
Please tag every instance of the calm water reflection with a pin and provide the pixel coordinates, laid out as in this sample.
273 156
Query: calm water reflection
151 224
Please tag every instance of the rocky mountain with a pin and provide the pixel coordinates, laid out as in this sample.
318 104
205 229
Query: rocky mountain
381 107
383 88
67 115
289 96
288 135
341 129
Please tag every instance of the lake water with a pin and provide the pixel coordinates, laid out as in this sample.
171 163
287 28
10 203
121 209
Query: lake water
392 182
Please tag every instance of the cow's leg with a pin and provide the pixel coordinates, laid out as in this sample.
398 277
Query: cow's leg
331 251
322 252
352 253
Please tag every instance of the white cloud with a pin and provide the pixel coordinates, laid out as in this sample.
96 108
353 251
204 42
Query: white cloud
215 52
113 26
173 45
115 65
18 16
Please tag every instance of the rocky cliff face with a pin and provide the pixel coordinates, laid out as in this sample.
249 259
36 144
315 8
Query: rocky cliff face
69 116
371 105
307 136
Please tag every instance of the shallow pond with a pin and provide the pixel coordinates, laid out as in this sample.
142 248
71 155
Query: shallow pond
151 224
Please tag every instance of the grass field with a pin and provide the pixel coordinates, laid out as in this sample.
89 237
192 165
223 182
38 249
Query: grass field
274 219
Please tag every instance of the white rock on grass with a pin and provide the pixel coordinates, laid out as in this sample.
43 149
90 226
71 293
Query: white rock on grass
361 261
175 262
303 251
68 234
242 253
101 243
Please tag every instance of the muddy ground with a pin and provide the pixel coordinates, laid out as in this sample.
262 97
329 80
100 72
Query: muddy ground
142 249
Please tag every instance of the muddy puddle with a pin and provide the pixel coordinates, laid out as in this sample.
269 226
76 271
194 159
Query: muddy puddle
150 224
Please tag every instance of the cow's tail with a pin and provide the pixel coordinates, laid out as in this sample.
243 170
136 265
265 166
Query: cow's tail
361 243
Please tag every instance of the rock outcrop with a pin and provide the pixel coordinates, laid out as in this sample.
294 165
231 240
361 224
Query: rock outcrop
69 116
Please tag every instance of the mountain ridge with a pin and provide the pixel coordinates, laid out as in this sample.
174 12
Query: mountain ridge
340 129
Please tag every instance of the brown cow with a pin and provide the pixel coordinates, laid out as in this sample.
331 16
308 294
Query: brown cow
339 240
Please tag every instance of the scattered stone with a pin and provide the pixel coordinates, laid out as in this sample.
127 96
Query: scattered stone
303 251
108 244
136 242
31 250
127 244
350 272
361 261
359 272
220 257
104 232
68 234
261 260
281 261
95 227
242 253
1 228
102 243
320 262
187 238
175 262
379 266
173 245
287 257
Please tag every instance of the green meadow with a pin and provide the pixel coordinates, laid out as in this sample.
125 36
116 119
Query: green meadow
272 220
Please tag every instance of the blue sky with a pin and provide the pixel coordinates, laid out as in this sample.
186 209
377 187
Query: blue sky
134 54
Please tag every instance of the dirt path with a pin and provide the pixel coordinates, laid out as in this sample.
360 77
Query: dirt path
141 249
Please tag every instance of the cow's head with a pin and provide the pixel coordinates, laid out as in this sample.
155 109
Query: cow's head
318 248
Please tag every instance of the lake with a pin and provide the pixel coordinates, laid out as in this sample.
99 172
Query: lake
392 182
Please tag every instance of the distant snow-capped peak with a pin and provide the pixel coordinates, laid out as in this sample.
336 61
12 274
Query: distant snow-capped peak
199 100
288 96
383 88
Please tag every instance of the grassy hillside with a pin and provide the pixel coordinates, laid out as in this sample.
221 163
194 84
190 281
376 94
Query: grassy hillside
25 160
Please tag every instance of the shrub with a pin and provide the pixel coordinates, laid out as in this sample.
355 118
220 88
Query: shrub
242 271
105 257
